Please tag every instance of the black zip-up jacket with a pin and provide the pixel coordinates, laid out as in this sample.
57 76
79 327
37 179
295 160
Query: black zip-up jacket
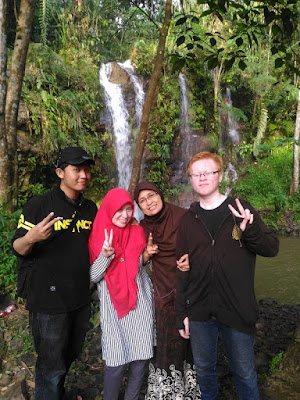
54 276
220 282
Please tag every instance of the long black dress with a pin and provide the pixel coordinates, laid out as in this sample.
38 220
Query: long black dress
171 372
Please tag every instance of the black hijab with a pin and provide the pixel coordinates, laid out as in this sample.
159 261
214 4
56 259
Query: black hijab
163 227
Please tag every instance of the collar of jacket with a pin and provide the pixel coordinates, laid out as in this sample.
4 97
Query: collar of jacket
77 203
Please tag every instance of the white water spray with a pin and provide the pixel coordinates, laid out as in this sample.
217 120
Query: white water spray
231 176
232 124
185 131
137 87
115 103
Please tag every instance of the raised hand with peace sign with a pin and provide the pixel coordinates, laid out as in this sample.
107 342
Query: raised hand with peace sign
107 249
150 250
245 214
37 233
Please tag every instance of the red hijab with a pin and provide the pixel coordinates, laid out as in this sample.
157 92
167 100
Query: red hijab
128 243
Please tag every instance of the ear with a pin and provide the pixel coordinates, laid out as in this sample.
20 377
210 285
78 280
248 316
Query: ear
60 173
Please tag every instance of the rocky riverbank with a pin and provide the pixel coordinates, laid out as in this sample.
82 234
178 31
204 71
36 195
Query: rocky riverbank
278 331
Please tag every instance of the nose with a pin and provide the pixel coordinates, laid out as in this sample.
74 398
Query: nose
125 213
83 174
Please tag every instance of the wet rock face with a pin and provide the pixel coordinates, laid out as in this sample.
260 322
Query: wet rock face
285 384
119 76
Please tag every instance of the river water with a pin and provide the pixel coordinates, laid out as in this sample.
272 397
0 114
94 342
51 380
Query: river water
279 277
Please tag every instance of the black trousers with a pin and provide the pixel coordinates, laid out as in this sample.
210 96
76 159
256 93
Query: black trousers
58 340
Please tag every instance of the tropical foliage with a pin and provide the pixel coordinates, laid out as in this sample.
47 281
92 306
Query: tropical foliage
252 48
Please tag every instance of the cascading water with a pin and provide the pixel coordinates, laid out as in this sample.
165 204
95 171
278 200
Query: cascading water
117 108
232 124
138 89
116 105
185 131
231 176
188 145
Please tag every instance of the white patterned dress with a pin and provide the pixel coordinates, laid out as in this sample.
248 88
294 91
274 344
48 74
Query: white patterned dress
132 337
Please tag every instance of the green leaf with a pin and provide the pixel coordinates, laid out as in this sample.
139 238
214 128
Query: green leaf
239 41
180 21
249 40
213 41
289 56
269 15
275 30
229 63
242 65
213 63
178 64
205 13
278 62
255 38
180 40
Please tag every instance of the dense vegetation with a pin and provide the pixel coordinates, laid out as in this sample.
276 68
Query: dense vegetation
62 100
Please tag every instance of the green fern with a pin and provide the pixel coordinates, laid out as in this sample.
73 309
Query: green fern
43 13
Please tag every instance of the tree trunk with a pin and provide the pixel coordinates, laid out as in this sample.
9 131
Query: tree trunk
14 88
156 74
295 181
3 87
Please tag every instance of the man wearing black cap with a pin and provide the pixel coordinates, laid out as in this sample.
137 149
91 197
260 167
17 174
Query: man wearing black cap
53 270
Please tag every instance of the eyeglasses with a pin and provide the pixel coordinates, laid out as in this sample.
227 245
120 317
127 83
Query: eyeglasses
204 174
150 197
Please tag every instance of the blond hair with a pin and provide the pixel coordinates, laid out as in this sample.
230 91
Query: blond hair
205 155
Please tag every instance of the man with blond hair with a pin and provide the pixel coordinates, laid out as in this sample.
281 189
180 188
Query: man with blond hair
216 296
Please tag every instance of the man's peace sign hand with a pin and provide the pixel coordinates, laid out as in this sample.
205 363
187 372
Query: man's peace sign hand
107 249
245 214
43 229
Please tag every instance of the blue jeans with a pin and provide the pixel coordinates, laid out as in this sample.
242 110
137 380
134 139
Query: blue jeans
240 354
58 339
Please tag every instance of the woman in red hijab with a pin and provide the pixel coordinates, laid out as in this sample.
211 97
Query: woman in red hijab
171 373
125 293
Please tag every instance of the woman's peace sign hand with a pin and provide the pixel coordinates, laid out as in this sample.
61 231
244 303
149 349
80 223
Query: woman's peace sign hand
245 214
107 249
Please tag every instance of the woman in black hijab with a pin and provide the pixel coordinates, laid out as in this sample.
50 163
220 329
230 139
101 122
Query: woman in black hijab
171 371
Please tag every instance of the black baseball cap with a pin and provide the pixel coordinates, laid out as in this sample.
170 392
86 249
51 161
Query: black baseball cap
73 156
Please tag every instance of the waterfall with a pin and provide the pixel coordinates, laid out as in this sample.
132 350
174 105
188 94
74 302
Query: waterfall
189 143
231 176
185 131
115 103
138 89
232 124
117 107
